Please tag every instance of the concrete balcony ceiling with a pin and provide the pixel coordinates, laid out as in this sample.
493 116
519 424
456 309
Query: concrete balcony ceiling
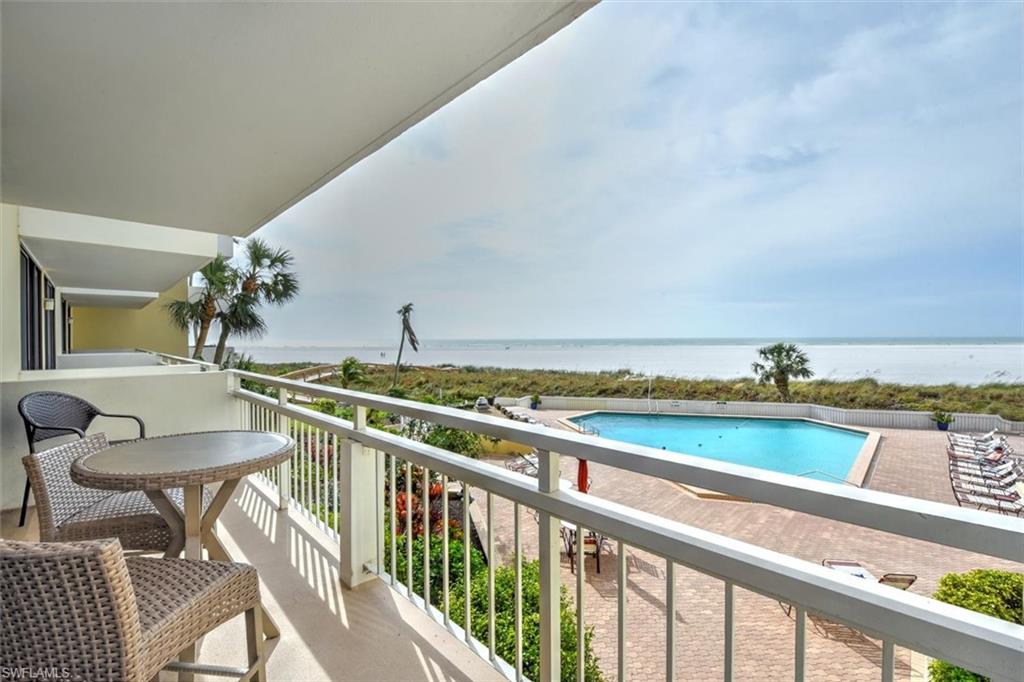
108 298
124 264
217 117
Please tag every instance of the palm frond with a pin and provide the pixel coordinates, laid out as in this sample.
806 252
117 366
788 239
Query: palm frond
282 287
184 314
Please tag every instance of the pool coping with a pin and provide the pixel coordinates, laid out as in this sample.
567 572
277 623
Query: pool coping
857 475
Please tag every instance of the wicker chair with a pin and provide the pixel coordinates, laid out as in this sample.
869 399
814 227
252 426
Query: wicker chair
68 512
49 414
85 611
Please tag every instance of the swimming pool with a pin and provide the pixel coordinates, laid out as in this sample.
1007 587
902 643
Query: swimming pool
789 446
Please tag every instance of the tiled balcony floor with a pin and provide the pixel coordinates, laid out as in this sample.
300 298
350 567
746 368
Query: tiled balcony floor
327 632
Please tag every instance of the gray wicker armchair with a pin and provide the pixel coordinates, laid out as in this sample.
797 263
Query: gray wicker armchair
85 612
50 414
69 512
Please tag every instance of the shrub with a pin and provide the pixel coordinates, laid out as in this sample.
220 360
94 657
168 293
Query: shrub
504 621
455 440
504 603
995 593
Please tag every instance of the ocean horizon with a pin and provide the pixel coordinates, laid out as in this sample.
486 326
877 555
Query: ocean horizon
906 360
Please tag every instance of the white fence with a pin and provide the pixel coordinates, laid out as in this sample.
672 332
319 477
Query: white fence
345 470
894 419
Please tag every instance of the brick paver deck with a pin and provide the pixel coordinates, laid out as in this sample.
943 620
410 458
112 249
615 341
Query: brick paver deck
908 462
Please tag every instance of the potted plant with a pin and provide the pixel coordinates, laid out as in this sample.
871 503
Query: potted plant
942 419
534 401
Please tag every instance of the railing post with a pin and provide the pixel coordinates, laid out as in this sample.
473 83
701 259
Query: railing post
358 539
550 574
284 469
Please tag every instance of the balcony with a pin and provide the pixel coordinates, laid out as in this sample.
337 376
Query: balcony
742 581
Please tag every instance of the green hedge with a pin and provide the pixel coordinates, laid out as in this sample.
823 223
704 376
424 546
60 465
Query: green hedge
504 603
995 593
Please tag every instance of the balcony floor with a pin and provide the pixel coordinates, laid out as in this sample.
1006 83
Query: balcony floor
327 631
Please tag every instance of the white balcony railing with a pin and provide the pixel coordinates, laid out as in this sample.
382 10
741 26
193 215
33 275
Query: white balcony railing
343 476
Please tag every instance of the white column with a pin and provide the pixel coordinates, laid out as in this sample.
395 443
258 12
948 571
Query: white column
550 575
10 294
358 516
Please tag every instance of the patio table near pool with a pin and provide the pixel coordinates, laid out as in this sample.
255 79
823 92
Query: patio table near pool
189 461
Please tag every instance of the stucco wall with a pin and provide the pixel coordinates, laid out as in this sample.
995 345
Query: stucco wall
168 399
114 328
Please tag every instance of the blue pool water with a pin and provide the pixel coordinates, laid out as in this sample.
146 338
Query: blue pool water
789 446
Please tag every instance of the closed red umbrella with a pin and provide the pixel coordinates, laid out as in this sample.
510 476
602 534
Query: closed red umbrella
582 477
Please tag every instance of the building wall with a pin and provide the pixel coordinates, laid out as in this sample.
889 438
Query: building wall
117 328
168 399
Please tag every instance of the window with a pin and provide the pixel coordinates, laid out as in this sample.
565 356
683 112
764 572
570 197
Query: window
37 324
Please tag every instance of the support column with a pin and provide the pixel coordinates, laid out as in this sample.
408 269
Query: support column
358 507
550 574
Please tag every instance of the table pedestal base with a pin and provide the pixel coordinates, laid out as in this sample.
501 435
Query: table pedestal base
193 530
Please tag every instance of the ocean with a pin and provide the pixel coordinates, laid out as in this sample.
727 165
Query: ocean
968 361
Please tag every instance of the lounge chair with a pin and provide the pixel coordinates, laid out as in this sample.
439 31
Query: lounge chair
900 581
86 611
987 439
523 464
1005 483
996 464
965 443
986 498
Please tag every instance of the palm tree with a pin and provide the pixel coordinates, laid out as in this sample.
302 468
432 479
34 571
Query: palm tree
239 317
264 277
351 372
196 315
406 313
781 362
265 273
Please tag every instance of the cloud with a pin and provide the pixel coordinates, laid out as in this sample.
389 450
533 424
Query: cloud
693 170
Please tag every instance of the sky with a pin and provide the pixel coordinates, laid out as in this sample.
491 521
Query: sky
693 170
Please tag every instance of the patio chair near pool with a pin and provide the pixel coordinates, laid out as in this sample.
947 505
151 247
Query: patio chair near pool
901 581
1004 483
593 543
989 499
86 610
523 464
982 466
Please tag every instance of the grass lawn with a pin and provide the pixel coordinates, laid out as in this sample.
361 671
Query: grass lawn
459 384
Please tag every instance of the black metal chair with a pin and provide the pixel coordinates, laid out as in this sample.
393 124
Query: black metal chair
49 414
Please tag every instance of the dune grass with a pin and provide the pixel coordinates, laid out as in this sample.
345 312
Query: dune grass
456 384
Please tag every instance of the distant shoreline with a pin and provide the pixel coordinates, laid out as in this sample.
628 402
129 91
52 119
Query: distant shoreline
466 384
908 361
671 341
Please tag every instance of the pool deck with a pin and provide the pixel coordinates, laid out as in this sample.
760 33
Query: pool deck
908 462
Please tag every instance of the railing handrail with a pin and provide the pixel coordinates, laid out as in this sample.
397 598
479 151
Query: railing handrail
206 366
973 640
969 529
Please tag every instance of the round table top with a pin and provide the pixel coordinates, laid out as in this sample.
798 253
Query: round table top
183 459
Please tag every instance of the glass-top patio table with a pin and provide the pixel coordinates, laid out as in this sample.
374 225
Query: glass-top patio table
189 461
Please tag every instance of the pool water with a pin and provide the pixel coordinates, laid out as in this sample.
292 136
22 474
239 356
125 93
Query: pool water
789 446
